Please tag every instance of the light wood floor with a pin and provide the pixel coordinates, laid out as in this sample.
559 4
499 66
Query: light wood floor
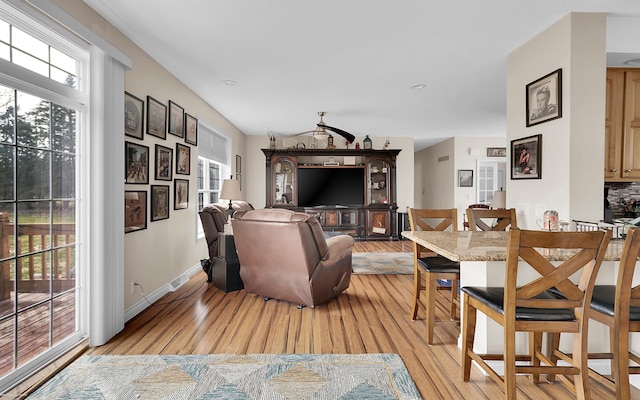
371 316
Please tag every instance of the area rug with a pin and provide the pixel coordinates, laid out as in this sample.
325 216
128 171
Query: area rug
228 376
382 263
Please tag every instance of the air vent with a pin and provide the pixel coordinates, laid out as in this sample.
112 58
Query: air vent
443 158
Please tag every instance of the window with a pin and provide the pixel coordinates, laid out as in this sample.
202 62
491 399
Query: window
209 178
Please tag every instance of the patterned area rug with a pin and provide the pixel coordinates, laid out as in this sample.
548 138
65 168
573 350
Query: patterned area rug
382 263
227 376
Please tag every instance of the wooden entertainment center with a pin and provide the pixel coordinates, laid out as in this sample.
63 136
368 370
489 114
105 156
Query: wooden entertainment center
360 191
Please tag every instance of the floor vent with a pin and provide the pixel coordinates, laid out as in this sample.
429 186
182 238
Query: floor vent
176 283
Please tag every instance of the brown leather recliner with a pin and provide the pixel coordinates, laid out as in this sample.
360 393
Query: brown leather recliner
213 218
284 255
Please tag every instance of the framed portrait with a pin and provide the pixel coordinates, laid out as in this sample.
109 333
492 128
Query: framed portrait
465 178
176 119
156 118
544 98
496 152
526 158
135 210
183 159
238 164
136 163
190 129
181 194
133 116
159 202
164 160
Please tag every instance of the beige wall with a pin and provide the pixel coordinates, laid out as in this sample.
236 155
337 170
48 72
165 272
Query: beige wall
572 147
168 248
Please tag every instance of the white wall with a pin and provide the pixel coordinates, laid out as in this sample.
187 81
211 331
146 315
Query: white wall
168 248
572 146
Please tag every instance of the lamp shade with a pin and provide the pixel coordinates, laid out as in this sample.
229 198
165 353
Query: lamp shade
230 190
499 199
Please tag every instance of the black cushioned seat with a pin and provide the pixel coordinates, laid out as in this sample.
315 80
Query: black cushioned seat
604 298
494 298
439 264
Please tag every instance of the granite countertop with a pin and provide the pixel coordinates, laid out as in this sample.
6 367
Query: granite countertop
486 246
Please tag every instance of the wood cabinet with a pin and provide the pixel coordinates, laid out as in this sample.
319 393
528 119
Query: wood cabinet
368 175
622 126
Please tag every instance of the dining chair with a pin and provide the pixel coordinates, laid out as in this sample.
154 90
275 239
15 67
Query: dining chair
618 307
541 300
465 223
434 266
491 220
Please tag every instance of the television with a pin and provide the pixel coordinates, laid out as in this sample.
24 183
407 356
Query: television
330 186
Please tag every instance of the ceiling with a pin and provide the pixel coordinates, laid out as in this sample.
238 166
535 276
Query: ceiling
357 60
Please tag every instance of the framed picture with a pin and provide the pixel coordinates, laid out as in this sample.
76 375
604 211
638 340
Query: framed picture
544 98
135 210
164 159
239 179
176 119
159 202
526 158
496 152
133 116
238 164
136 163
465 177
156 118
181 194
191 129
183 159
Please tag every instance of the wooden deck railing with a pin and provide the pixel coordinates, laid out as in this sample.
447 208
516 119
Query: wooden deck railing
32 274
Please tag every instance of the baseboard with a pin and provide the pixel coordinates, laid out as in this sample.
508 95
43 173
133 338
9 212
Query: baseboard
154 296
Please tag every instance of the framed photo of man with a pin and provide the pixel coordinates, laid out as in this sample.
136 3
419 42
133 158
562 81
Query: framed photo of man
526 158
544 98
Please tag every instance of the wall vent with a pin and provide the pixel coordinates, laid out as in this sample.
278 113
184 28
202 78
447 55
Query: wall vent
443 158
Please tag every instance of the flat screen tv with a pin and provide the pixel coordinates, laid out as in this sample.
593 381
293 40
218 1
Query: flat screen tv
330 186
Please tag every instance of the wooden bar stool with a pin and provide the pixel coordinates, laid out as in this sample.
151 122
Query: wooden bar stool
434 266
483 219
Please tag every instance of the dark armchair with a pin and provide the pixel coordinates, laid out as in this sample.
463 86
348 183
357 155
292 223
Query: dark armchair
284 255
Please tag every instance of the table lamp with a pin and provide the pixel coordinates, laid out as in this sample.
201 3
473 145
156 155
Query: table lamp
499 200
230 191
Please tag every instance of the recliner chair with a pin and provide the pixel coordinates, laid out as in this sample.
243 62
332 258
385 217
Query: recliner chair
284 255
213 218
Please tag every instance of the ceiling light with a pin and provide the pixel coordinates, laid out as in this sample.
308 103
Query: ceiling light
418 86
633 61
229 82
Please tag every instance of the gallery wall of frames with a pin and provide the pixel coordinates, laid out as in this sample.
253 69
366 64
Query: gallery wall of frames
169 165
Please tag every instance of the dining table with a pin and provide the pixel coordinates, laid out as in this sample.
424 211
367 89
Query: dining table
482 256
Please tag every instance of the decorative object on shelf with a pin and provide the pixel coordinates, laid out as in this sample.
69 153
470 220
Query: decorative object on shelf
367 144
526 158
387 142
183 159
176 119
465 178
496 151
272 140
135 210
545 94
136 167
330 144
133 116
191 129
159 202
230 191
156 118
164 159
181 194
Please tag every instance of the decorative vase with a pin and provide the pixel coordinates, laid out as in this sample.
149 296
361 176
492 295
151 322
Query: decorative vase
367 144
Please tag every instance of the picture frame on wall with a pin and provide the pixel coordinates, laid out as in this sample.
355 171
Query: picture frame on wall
156 118
133 116
164 163
181 194
136 163
135 210
159 202
496 152
238 163
544 98
190 129
465 178
183 159
526 158
176 119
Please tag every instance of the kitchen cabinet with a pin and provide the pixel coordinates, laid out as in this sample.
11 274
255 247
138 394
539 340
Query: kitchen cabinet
622 126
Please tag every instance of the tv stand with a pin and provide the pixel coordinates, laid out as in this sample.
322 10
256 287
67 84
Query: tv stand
374 219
